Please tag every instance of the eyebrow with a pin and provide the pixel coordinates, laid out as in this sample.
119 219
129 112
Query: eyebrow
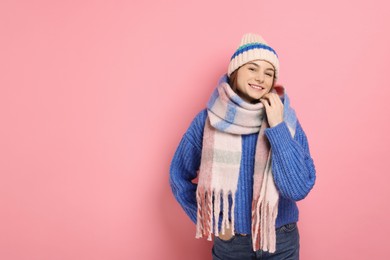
257 65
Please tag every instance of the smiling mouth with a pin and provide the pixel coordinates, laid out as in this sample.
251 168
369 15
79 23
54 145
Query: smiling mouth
256 86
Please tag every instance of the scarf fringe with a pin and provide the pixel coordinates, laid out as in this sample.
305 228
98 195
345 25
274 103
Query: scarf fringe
227 113
263 226
204 223
208 213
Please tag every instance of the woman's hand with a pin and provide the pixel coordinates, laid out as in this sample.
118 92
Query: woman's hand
273 107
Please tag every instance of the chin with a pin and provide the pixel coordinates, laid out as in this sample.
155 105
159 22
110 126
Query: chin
257 97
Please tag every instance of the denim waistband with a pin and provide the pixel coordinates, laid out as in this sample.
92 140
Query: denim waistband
244 235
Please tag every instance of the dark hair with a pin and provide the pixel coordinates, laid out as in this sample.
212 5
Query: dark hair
233 80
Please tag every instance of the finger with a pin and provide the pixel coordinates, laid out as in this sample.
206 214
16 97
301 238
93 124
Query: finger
277 97
268 98
265 102
267 95
275 100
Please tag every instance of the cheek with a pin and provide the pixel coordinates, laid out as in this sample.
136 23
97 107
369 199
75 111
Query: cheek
240 85
243 78
240 81
270 82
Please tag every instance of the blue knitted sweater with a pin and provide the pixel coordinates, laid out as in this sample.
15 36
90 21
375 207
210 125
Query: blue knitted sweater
292 166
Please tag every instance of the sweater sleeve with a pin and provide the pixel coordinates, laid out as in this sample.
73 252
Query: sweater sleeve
185 165
293 167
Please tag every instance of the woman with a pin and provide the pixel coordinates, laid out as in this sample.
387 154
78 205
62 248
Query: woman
252 160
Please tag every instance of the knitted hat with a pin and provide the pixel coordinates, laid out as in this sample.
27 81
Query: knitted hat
253 47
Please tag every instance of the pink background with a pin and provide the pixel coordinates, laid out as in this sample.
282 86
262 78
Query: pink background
96 95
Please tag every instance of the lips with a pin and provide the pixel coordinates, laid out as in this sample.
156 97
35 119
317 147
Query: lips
258 87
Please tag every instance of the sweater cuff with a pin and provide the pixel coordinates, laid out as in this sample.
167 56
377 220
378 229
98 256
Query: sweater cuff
278 135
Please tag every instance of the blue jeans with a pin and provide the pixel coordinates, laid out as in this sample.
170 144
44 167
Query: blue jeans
240 247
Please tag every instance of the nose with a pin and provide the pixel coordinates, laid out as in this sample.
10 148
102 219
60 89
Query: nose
260 77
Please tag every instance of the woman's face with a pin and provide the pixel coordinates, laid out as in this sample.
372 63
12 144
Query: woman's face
254 80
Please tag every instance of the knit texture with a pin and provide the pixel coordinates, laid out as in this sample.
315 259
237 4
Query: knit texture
293 170
229 118
253 47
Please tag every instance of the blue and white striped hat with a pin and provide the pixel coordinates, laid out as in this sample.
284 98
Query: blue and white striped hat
253 47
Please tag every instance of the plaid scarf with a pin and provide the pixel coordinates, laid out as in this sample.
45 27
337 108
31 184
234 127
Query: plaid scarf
229 117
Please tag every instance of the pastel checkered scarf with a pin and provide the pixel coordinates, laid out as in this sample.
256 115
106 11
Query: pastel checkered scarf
229 117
